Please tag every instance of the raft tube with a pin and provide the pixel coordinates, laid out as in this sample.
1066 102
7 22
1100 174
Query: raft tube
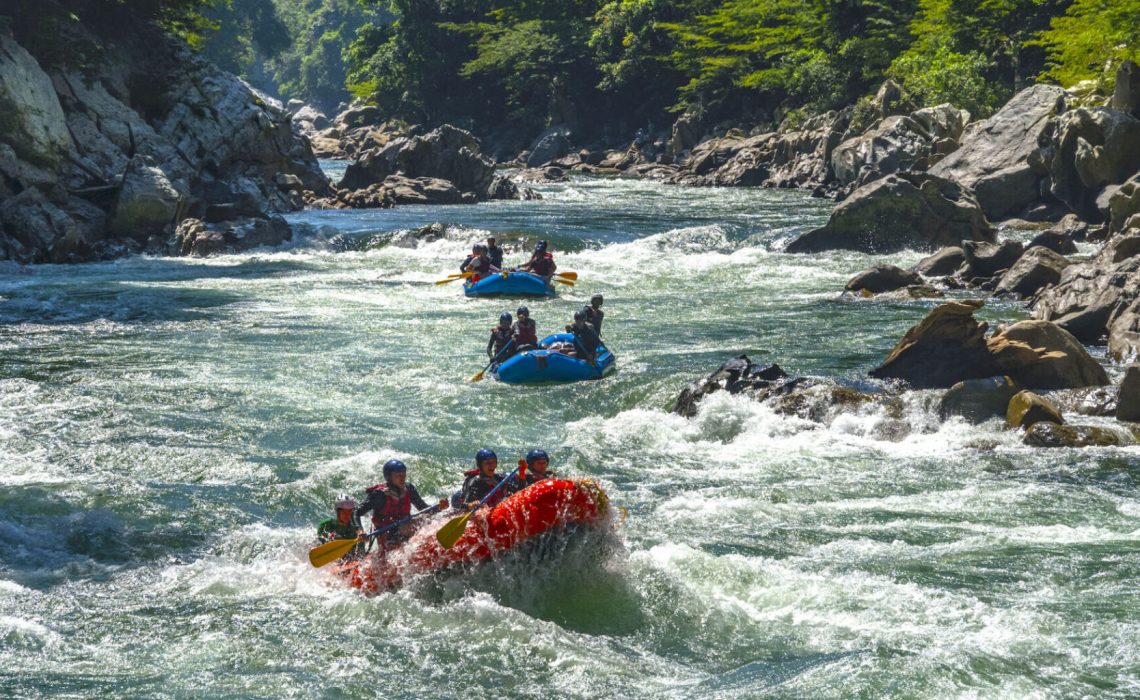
514 284
537 509
547 365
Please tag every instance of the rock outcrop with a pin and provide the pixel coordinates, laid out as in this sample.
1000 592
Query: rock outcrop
1128 400
1036 268
898 212
1089 296
1092 149
897 143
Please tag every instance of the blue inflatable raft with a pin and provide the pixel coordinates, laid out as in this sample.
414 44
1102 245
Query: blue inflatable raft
547 365
512 284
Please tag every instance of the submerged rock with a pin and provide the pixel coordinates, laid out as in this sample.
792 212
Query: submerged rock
1047 434
734 376
883 278
978 400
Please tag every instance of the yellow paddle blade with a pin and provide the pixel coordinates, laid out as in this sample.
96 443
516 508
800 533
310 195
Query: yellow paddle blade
451 279
571 275
452 530
565 282
330 551
478 377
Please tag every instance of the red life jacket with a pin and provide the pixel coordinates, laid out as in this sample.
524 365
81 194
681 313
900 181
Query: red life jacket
393 509
525 334
544 266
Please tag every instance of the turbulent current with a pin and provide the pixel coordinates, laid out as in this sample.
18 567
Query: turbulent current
171 431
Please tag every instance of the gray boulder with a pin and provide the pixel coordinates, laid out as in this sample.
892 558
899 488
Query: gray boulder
898 143
903 211
551 145
988 259
1126 97
34 141
1128 400
1089 296
945 262
1124 203
1034 270
1048 434
1061 363
1062 236
978 400
1093 148
1124 334
1000 158
883 278
146 203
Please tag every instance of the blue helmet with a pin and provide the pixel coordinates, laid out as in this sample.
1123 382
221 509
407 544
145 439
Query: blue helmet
535 455
505 319
483 455
522 310
392 466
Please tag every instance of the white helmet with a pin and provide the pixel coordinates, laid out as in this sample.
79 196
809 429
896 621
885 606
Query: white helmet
344 501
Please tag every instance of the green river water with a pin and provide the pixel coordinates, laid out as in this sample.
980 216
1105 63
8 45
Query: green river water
171 431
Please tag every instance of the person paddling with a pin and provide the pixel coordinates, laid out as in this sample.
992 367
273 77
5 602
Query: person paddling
344 526
480 481
536 471
494 253
478 264
541 262
594 313
500 336
586 340
393 500
524 331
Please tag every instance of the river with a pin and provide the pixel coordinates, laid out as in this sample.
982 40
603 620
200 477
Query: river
171 430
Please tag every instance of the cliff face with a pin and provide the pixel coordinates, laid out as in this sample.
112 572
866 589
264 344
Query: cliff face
109 160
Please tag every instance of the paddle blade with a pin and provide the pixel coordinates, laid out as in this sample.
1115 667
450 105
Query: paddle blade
478 376
565 282
451 279
330 551
452 530
571 275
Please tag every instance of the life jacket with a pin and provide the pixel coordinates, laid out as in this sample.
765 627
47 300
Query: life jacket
479 267
544 266
526 334
393 509
501 338
473 475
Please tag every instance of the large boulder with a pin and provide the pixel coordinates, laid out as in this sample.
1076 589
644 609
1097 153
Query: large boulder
737 375
1124 203
446 153
902 211
146 203
898 143
1000 157
1124 334
1090 296
39 230
34 140
1126 97
883 278
946 347
1035 269
1048 434
1128 400
1063 363
978 400
1027 408
1093 148
551 145
1062 236
986 259
945 262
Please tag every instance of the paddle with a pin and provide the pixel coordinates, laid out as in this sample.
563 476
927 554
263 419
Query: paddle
570 275
565 282
452 278
331 551
453 529
478 377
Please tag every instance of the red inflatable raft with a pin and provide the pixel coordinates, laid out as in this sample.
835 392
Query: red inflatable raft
537 509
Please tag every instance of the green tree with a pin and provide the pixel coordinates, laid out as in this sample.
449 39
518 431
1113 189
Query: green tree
1090 40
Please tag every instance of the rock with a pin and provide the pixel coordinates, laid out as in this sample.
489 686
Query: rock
34 140
686 133
902 211
194 237
1036 268
897 143
147 201
1124 334
1124 203
1089 297
1097 401
945 262
1046 434
551 145
1093 148
978 400
1128 400
1000 158
1027 408
913 291
1062 237
422 190
446 153
988 259
1063 362
39 230
946 347
738 375
309 118
1126 97
355 117
883 278
890 100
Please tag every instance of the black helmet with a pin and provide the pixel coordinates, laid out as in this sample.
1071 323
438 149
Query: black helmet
522 311
491 239
480 248
540 246
597 298
504 319
534 455
580 315
392 466
483 455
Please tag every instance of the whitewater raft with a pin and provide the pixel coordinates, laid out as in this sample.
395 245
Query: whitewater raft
512 284
550 506
549 363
